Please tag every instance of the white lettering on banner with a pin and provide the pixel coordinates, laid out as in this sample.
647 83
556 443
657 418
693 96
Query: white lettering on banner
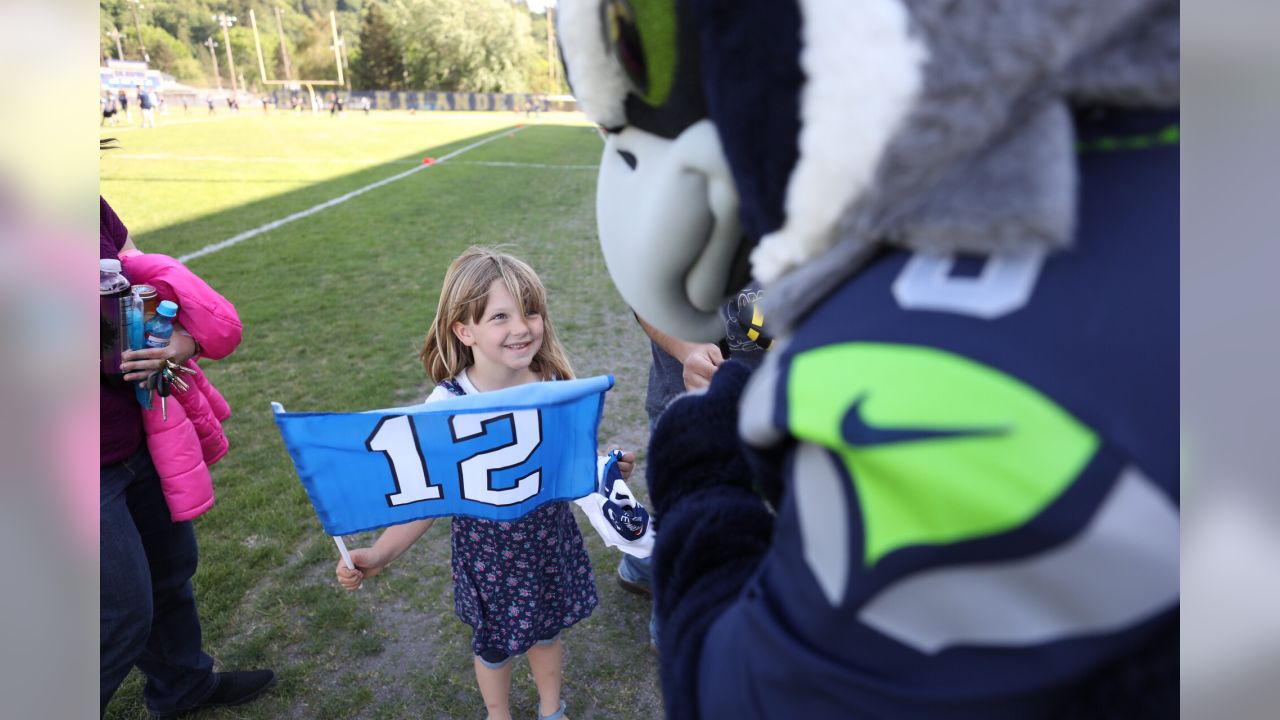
396 438
477 471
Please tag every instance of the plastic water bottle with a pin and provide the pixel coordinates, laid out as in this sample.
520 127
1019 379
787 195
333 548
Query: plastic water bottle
113 289
110 278
159 329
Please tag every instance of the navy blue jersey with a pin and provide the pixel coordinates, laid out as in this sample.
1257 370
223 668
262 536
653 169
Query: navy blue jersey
979 466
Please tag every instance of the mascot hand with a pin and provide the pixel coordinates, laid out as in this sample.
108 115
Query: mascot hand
695 444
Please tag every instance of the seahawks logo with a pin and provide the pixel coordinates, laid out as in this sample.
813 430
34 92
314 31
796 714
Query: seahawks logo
750 319
630 522
621 509
755 327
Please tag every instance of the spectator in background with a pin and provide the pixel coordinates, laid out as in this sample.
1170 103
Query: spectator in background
146 101
109 108
123 97
678 367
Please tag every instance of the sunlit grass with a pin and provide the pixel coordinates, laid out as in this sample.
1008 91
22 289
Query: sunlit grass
334 307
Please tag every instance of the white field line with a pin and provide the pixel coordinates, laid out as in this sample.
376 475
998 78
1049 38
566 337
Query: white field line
259 159
161 121
237 239
335 161
546 166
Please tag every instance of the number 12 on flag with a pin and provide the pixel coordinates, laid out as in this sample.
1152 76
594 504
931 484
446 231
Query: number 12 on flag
496 456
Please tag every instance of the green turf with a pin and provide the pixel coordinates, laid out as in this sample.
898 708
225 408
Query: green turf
334 307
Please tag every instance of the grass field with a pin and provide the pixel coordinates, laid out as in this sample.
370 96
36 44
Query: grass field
334 307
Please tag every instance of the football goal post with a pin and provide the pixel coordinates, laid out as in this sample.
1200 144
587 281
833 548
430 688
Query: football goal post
308 84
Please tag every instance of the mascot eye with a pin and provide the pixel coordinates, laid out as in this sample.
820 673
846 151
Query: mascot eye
628 158
624 43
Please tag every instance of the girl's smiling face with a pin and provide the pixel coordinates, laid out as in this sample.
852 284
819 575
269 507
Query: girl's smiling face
502 341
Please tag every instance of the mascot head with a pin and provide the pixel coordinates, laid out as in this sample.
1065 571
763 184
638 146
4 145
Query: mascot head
707 177
786 139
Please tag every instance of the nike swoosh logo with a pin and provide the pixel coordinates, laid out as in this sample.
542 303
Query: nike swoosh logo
857 432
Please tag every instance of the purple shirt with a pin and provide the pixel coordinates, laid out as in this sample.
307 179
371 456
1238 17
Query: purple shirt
121 419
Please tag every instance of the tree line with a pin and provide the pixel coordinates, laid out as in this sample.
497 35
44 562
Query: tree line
449 45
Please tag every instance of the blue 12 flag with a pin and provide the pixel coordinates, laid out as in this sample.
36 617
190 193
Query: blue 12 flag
496 455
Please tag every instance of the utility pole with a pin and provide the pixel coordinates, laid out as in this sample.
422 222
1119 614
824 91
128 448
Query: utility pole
115 34
284 49
212 44
227 21
134 5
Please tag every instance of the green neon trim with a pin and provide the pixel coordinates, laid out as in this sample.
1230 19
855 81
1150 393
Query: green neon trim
1169 136
656 23
940 490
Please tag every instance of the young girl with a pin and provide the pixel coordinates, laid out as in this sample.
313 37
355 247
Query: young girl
519 583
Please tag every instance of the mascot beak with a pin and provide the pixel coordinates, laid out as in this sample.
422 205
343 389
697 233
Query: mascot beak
668 220
666 205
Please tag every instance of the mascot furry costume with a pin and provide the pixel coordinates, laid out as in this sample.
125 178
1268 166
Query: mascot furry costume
963 216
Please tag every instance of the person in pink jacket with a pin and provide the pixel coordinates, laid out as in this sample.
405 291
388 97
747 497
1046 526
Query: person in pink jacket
187 437
147 552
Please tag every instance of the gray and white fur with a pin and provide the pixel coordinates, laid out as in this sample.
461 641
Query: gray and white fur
983 158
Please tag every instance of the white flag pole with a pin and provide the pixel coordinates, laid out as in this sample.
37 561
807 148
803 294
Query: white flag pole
342 549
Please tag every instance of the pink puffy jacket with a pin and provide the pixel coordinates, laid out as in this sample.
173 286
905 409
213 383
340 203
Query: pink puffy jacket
184 446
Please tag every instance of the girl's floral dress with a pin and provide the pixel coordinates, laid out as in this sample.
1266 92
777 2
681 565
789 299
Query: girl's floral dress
522 581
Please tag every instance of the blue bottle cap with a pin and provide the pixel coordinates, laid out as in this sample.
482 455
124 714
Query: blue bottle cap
167 308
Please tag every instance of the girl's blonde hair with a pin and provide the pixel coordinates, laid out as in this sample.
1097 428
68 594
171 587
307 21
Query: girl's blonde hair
463 298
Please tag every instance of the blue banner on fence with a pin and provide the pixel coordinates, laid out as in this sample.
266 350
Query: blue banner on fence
440 101
495 456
